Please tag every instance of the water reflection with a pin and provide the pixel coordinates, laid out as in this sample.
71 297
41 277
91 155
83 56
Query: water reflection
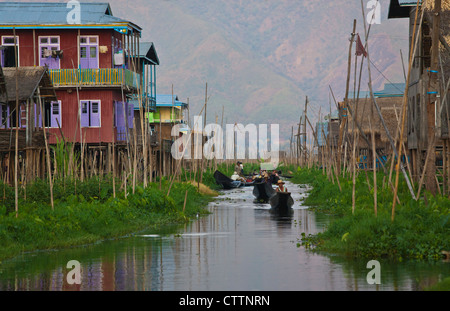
240 246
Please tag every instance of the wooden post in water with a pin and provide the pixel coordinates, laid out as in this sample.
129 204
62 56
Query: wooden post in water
344 119
405 104
304 131
16 157
47 152
374 159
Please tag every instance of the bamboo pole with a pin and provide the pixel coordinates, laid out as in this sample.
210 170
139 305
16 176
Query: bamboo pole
405 104
184 150
344 120
354 169
16 157
374 159
47 153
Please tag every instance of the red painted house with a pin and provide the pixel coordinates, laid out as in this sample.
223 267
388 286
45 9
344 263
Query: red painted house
94 64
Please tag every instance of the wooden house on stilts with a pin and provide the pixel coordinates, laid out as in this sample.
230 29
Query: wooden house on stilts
96 68
33 94
427 117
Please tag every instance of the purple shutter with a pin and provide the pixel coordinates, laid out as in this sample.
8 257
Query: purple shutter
84 60
55 114
119 114
95 113
84 117
23 116
93 59
88 56
40 118
120 122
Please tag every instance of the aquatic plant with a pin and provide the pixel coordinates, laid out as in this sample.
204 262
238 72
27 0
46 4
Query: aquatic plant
421 229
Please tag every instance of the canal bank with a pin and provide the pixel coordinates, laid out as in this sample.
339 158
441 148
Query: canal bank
239 246
87 212
420 231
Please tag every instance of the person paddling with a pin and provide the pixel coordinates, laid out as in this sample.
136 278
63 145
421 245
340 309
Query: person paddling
281 187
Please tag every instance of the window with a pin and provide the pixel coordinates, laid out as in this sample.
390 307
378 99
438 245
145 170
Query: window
89 52
48 47
52 114
4 116
90 113
7 55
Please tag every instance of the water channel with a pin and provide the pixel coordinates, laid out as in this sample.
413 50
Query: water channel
239 246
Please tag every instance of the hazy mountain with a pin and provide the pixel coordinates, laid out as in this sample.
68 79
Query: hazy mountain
261 58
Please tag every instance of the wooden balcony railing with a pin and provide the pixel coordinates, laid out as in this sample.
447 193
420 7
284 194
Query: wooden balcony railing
94 77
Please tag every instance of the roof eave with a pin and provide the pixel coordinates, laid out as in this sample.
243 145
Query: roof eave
398 11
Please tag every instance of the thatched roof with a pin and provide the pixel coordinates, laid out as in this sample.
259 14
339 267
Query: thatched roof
429 5
367 115
29 79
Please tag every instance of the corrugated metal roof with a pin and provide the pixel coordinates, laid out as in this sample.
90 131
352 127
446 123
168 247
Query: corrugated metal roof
147 50
35 14
163 100
408 3
391 90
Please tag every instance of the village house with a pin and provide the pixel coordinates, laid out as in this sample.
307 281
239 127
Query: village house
427 110
96 66
169 111
389 101
30 89
327 136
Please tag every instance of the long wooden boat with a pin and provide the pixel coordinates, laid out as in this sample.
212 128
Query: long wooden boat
282 201
263 192
226 182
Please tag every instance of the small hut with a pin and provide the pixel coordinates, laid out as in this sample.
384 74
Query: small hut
29 88
390 102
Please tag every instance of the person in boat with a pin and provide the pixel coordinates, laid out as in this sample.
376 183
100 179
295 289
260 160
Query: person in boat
237 168
274 177
236 176
266 178
281 187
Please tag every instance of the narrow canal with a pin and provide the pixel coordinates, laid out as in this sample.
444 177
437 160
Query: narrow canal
239 246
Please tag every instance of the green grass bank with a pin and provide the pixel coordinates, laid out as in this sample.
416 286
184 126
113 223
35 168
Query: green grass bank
420 230
86 212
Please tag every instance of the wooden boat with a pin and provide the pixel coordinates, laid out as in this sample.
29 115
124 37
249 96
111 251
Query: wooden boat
248 182
226 182
281 201
263 191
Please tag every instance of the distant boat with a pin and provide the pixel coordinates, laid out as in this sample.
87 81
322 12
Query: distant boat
281 202
226 182
263 191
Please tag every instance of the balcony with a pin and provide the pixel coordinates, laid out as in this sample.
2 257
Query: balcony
101 77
